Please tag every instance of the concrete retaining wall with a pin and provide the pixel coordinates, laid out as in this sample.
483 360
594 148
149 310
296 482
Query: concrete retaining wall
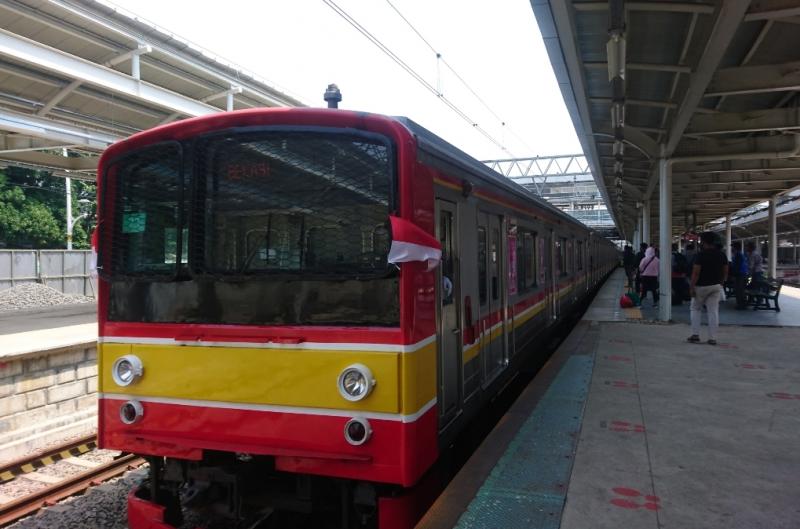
47 397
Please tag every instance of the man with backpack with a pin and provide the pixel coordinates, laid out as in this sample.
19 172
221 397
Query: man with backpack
680 270
739 272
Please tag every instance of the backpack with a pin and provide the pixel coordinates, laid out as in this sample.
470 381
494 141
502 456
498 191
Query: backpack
679 263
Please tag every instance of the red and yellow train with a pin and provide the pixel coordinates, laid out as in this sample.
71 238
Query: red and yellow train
299 308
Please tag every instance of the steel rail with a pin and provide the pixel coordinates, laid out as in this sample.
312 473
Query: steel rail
70 486
42 458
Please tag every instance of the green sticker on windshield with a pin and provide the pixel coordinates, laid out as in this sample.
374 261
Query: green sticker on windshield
133 222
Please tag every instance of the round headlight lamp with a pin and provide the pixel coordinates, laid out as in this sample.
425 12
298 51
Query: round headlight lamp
126 370
357 431
355 382
131 412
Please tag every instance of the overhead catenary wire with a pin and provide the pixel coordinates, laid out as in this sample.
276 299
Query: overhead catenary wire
413 73
440 58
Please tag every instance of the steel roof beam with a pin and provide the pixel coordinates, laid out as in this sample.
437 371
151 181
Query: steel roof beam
751 147
55 161
140 50
736 179
744 80
56 99
662 7
772 10
645 67
772 186
44 128
754 121
738 166
32 52
272 97
67 88
726 23
636 102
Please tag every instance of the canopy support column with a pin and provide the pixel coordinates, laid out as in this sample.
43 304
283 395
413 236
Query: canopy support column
728 237
773 238
665 238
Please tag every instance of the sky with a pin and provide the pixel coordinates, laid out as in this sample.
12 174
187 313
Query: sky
301 46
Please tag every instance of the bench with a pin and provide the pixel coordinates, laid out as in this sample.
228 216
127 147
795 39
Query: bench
762 293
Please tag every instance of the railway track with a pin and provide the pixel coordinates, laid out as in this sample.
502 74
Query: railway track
65 487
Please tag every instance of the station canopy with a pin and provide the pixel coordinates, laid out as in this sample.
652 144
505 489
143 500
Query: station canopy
711 86
81 74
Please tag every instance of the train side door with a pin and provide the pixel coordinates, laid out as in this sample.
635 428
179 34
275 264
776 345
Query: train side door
493 349
448 316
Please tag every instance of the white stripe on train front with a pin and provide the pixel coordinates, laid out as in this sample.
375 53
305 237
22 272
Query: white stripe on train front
379 347
274 409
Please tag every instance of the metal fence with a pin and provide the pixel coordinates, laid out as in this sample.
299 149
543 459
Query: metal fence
64 270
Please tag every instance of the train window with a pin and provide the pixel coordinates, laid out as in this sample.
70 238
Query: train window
482 265
570 256
147 210
530 259
579 255
526 260
304 204
447 265
561 256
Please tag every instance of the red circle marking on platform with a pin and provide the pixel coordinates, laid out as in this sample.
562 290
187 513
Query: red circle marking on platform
625 491
651 506
625 504
652 498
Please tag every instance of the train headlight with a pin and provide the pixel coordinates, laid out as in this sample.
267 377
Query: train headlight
126 370
357 431
355 382
131 412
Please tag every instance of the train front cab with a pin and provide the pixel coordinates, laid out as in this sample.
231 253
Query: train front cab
218 401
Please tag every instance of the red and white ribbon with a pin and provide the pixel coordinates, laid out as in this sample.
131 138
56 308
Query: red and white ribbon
412 243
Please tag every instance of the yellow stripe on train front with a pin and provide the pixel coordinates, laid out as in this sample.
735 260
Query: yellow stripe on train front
280 377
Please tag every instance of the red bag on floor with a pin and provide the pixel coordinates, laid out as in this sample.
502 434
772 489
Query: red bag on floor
625 302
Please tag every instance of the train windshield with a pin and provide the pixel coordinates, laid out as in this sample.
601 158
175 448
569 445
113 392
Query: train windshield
299 204
270 227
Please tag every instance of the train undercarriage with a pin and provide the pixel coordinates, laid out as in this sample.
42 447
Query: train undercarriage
246 492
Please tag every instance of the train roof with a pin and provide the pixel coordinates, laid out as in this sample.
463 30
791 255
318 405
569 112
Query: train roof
445 152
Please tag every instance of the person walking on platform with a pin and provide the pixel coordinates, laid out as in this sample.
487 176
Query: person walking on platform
639 257
629 262
709 273
738 269
648 270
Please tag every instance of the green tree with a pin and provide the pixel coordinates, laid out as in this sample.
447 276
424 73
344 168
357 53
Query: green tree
33 210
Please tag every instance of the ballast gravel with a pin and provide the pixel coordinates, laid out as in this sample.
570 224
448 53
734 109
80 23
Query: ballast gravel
102 507
34 295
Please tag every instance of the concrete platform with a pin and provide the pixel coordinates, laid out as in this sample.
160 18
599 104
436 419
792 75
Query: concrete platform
52 329
663 433
606 308
47 318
